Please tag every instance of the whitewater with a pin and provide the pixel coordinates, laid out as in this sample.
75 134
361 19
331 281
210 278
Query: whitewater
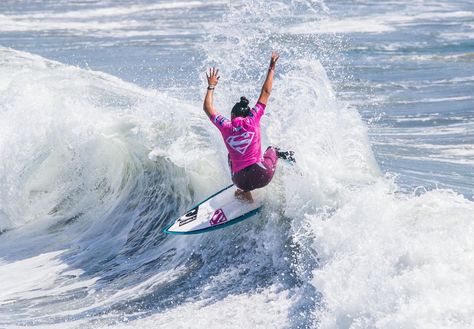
103 143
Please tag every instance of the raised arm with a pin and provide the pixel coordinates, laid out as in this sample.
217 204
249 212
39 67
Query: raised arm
212 80
267 85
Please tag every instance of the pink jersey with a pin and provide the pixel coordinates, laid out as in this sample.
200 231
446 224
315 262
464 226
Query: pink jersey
242 137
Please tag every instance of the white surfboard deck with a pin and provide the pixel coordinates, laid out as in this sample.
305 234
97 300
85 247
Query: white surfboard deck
218 211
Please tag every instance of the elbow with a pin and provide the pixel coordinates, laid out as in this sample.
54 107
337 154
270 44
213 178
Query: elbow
209 110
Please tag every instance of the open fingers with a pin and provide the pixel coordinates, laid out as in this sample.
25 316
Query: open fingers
212 74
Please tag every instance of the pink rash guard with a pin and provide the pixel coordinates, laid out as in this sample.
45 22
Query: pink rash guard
242 137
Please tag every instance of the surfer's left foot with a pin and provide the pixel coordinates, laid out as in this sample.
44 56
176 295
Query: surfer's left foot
245 196
286 155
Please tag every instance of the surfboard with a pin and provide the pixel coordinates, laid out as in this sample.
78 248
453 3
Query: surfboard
217 211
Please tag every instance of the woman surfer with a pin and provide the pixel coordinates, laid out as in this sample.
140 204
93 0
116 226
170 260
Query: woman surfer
250 170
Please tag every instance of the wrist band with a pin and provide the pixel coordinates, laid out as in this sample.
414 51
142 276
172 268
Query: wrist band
272 66
211 88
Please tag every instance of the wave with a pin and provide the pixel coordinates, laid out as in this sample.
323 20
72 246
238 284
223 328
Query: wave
95 167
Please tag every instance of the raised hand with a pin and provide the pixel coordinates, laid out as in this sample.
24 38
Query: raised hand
274 59
212 77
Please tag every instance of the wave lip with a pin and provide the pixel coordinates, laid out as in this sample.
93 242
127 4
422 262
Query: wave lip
79 195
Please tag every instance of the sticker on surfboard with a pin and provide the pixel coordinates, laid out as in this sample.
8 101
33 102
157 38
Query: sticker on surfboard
219 210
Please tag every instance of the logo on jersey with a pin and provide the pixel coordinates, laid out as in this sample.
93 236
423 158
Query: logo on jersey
218 218
219 119
241 142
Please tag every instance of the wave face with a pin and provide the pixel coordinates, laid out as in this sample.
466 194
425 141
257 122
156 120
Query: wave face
94 167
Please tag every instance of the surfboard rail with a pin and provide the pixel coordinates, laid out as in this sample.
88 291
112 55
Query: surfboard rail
192 214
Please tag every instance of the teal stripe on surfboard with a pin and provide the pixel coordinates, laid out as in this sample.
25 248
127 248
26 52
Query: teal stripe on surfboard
215 227
212 228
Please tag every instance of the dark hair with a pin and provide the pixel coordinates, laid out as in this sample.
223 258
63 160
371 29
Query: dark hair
241 109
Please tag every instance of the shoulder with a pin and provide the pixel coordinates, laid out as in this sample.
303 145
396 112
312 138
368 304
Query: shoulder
258 110
218 119
260 106
221 121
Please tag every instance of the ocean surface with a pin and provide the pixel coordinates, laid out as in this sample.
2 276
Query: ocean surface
103 142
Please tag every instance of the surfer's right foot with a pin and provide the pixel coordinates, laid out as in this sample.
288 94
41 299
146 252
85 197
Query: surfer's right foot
244 196
286 155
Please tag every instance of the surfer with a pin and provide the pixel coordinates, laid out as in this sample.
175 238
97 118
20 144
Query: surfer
250 170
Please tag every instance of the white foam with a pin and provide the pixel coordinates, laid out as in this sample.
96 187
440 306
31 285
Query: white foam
123 28
36 277
349 25
456 36
101 22
435 100
394 261
262 309
268 307
380 23
457 57
115 11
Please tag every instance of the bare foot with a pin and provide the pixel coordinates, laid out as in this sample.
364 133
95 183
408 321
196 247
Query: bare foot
245 196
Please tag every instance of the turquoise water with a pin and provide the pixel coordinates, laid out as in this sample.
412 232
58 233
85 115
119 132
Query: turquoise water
103 143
